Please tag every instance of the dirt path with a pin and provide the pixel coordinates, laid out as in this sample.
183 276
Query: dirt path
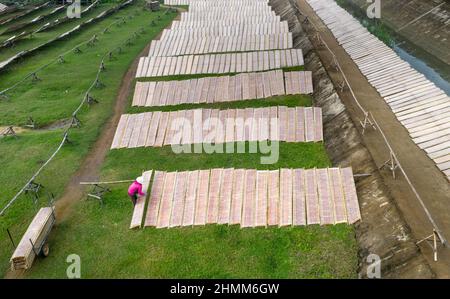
424 175
90 168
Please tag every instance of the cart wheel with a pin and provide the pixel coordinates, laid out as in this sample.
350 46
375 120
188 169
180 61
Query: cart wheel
45 250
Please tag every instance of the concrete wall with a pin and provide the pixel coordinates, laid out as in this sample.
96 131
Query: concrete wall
431 32
382 231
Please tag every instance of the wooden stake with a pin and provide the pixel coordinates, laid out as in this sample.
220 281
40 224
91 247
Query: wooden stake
106 183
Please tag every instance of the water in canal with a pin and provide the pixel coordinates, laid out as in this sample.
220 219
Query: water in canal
431 67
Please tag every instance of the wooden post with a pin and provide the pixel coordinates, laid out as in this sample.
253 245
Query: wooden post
98 192
342 85
391 164
35 77
4 96
11 238
75 122
435 246
366 122
31 123
433 240
34 189
90 100
9 131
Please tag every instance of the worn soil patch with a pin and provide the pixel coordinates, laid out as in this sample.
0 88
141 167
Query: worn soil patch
18 130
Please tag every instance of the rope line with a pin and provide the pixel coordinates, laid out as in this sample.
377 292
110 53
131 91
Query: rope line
427 212
74 114
3 92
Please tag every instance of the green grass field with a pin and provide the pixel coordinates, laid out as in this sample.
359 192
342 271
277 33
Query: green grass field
288 100
5 31
42 37
20 11
100 235
54 98
62 85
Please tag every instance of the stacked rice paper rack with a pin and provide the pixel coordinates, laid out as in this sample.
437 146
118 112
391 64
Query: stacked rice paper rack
37 232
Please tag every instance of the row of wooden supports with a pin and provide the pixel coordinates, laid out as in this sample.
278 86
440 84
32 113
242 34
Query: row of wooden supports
34 188
74 122
78 50
435 241
98 191
34 77
392 163
342 85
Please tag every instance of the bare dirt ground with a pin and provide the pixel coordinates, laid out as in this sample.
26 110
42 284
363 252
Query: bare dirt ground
18 130
429 182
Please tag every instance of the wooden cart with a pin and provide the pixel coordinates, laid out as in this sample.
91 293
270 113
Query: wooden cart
34 241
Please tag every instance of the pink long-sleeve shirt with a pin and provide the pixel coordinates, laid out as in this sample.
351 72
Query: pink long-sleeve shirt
135 188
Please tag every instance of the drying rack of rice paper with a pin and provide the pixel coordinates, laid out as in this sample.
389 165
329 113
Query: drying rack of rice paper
34 241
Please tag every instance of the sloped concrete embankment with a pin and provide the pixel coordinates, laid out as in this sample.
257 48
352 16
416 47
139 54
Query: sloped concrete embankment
382 231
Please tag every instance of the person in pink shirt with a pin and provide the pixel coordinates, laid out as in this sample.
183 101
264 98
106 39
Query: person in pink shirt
135 190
